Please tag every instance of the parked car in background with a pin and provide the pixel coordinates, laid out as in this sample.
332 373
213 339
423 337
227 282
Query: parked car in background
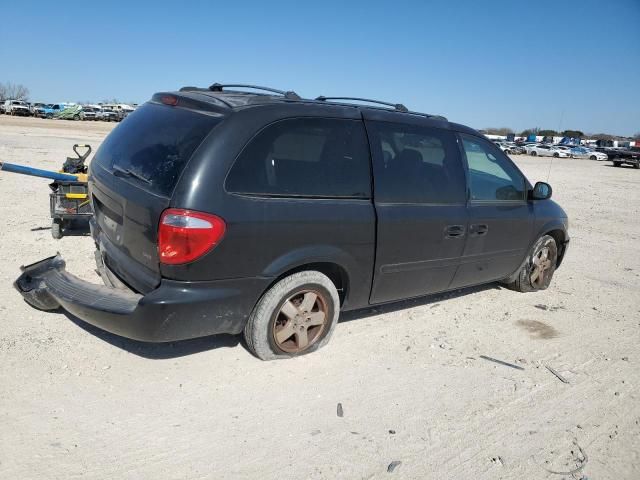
626 156
120 109
510 148
35 107
106 115
51 110
88 112
583 152
2 107
541 150
16 107
311 207
563 148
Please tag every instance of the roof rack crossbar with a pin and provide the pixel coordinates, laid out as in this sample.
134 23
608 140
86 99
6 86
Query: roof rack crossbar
289 94
397 106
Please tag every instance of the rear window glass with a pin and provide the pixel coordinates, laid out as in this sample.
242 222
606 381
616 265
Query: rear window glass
153 144
315 157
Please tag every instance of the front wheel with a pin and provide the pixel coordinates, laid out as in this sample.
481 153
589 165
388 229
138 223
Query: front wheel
296 316
592 157
538 268
617 164
636 165
533 154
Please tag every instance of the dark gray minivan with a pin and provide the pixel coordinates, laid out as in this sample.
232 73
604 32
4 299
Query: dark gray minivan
225 211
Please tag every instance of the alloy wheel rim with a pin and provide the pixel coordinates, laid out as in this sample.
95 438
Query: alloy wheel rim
541 265
300 321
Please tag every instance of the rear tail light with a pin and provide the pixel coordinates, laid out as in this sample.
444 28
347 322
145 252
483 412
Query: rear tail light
185 235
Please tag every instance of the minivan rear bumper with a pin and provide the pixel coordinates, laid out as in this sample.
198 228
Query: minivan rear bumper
173 311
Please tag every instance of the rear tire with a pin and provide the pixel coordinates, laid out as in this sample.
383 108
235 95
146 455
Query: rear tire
286 320
617 164
636 165
592 157
538 268
533 154
556 155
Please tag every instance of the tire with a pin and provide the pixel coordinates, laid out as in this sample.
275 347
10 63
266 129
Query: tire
636 165
49 115
56 229
592 157
556 155
525 281
507 151
534 154
268 317
617 164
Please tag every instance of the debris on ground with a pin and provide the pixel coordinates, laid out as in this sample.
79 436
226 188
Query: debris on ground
581 460
339 410
393 465
506 364
560 377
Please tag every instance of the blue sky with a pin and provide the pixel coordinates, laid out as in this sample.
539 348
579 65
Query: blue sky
550 64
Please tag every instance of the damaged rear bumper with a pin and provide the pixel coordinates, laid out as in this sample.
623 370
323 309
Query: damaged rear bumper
173 311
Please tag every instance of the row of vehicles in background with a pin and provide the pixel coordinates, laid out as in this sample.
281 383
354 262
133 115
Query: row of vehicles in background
113 112
619 156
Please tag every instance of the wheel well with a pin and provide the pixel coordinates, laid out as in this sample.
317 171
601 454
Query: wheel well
335 272
559 237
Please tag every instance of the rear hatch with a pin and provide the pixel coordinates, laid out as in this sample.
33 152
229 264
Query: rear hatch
131 180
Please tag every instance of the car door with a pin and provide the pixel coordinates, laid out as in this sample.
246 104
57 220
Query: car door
419 192
500 218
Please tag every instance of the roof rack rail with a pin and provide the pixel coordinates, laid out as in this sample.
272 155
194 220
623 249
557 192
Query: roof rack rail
289 94
397 106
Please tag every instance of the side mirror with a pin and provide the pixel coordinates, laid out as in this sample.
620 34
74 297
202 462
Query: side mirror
541 191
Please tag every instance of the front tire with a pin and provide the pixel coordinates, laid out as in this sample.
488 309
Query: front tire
556 155
617 164
533 154
592 157
295 316
537 270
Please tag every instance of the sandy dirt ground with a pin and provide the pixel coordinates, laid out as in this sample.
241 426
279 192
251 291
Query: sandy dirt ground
76 402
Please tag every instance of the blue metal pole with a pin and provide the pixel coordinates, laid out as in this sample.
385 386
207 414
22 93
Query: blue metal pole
36 172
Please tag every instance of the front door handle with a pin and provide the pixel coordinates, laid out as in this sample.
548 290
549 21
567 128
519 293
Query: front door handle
454 231
478 229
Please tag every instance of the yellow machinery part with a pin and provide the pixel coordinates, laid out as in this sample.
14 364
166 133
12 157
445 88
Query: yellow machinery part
76 196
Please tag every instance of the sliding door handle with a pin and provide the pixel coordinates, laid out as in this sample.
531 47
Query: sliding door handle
478 229
454 231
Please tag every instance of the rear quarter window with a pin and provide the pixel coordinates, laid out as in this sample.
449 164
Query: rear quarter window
154 143
309 157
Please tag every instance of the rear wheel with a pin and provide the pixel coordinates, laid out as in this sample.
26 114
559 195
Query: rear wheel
533 154
296 316
617 164
592 157
636 165
537 270
556 155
